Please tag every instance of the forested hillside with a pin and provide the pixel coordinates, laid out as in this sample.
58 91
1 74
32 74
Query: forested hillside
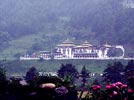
33 25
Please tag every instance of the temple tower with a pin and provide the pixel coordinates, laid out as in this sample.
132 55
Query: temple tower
65 48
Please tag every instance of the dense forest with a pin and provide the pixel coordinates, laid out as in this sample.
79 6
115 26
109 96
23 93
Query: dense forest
33 25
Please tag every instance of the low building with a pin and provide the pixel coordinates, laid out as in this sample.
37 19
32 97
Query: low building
45 55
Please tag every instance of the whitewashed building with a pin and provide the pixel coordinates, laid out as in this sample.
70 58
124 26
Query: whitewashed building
68 50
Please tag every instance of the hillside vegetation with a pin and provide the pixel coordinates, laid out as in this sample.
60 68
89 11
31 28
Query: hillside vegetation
27 26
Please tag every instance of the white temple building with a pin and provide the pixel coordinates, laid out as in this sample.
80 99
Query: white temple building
68 50
128 3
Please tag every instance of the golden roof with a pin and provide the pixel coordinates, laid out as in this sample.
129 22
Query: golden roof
87 44
66 43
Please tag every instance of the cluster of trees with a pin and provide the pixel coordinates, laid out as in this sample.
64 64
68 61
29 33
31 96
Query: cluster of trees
118 72
114 72
67 75
67 72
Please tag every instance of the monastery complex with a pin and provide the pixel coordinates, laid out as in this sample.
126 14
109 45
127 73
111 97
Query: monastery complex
68 50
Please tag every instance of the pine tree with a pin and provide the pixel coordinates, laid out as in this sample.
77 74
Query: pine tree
84 75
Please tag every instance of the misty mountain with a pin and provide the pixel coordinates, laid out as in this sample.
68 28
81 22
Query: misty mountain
97 21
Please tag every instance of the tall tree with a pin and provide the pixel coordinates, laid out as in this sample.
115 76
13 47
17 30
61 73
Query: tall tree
113 73
129 69
32 76
68 71
2 77
84 75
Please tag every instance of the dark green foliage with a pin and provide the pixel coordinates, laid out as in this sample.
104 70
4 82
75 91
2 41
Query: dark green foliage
32 76
84 74
2 74
129 70
131 82
98 79
114 72
68 72
2 71
3 80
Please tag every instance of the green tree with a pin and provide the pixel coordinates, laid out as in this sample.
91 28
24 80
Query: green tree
68 72
84 75
113 73
2 75
32 76
3 81
129 69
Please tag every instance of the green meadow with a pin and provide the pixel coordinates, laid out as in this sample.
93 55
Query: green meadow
20 67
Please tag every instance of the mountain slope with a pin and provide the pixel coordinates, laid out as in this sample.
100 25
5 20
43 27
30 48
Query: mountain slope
34 25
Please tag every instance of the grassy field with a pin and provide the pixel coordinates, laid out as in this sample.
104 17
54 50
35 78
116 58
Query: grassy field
21 67
20 45
45 40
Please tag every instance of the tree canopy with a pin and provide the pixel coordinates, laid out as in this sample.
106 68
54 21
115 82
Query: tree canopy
32 76
114 72
68 71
